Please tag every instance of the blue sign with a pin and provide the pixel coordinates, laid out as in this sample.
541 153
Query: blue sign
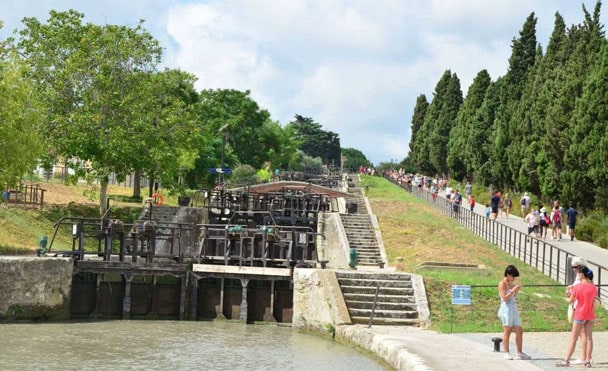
461 294
218 170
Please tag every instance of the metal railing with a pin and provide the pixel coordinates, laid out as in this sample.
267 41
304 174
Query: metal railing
546 257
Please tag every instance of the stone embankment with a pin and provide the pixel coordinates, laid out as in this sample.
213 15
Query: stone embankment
33 288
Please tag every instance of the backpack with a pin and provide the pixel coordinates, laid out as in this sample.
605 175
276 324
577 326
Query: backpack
557 217
547 219
523 201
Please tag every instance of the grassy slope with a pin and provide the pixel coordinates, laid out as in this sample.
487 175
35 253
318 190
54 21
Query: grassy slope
415 231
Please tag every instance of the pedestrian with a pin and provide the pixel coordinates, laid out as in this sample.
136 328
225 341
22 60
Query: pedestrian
584 295
509 314
508 203
545 222
488 210
532 222
577 264
495 201
435 192
472 202
525 204
456 202
556 220
571 214
468 189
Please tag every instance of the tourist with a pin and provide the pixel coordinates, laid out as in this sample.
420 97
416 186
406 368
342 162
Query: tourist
468 189
584 295
556 221
472 203
571 214
509 314
525 204
531 220
577 264
508 204
488 210
495 202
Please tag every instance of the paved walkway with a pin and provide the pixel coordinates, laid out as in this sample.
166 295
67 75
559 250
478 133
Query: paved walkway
408 348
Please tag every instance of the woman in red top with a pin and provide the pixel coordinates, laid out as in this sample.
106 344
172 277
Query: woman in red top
584 315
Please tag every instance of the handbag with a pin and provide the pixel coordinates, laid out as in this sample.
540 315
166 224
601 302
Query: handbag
570 312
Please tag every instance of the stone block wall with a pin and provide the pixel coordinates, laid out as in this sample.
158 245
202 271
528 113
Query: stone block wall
33 288
318 304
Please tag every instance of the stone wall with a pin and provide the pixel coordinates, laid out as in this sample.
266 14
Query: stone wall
318 304
34 288
333 246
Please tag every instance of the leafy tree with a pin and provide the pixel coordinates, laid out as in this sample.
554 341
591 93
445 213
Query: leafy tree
418 137
440 118
353 159
232 114
20 121
92 79
315 141
464 143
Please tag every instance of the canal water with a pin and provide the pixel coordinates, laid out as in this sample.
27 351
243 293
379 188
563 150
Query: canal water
172 345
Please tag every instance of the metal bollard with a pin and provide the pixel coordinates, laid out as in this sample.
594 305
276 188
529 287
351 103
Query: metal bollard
497 342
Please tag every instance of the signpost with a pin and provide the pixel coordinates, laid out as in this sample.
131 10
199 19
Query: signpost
461 295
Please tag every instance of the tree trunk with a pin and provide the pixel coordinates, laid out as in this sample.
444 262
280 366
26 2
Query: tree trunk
137 184
103 193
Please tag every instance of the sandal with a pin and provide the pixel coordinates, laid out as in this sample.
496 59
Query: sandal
587 364
563 363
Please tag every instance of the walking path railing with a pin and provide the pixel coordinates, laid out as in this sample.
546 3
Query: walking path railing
541 254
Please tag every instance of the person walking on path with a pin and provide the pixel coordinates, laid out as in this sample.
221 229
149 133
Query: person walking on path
571 214
532 221
525 204
508 204
584 294
495 201
545 222
556 220
509 314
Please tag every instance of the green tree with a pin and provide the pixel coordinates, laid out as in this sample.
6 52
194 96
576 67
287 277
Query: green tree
440 118
95 82
417 138
20 121
353 158
314 141
465 142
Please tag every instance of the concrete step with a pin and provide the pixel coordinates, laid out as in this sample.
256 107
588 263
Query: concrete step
369 290
347 281
386 321
369 298
374 276
381 306
383 313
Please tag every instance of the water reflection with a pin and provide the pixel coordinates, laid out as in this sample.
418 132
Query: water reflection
167 345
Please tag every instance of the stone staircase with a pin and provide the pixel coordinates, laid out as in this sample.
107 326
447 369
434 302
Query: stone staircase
396 304
361 235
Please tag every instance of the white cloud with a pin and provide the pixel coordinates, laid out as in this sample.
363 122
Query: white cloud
354 66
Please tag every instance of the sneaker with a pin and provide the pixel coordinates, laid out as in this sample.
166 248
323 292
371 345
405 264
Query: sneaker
522 356
508 356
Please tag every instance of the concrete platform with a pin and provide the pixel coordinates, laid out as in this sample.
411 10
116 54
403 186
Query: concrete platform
410 348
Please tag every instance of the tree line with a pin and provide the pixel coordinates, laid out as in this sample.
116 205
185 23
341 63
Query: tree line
95 97
542 127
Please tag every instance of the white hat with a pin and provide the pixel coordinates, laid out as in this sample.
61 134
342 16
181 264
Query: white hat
525 193
578 261
543 210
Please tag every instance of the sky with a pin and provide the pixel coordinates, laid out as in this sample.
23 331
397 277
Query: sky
354 66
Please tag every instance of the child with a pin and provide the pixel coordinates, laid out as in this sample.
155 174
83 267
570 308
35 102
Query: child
488 210
472 202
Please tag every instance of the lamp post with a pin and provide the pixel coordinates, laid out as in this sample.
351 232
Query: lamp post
223 165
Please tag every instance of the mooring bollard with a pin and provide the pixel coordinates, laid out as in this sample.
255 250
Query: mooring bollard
497 342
